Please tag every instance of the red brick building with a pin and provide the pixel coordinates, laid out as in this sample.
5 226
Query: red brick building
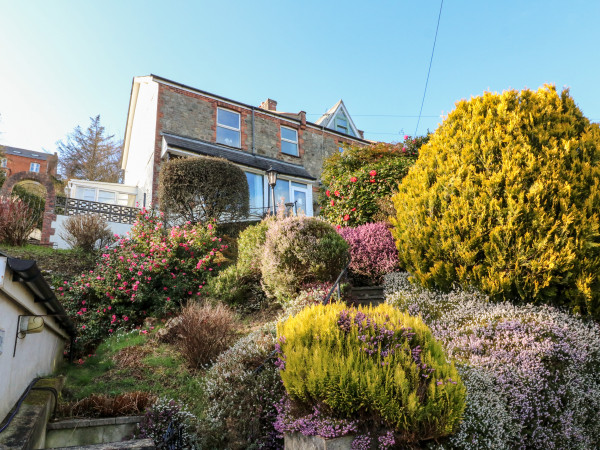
17 160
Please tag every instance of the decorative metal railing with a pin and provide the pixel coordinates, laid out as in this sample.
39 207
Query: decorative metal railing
110 213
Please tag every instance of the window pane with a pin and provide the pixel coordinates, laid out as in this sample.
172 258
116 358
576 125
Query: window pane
106 197
282 192
255 186
228 137
300 199
289 134
3 162
342 122
34 167
289 148
298 185
86 194
228 118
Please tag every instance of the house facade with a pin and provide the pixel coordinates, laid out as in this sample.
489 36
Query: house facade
167 119
17 160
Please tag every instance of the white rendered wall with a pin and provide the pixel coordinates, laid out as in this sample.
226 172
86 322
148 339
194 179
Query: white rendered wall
140 159
36 355
58 225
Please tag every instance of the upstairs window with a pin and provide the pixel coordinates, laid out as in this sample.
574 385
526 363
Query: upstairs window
3 162
289 141
34 167
228 128
341 124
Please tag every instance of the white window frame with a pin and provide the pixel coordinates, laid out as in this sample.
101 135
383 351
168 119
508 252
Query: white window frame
290 141
114 193
33 166
3 162
238 129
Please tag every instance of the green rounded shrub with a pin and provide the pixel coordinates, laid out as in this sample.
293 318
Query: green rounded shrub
378 365
239 284
300 250
506 197
201 189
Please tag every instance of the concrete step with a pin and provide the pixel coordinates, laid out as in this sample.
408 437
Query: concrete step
134 444
367 295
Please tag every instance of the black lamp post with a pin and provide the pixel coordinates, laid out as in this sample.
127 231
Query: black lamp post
272 180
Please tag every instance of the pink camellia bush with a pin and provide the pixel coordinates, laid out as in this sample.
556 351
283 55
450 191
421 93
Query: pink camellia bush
150 273
373 252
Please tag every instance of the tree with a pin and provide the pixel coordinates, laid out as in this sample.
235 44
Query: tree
200 189
90 154
505 197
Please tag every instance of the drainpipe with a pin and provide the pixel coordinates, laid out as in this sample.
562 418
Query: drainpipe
253 148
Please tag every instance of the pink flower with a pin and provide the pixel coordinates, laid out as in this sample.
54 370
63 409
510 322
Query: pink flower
332 202
125 318
405 137
373 173
346 217
83 327
337 193
327 193
353 179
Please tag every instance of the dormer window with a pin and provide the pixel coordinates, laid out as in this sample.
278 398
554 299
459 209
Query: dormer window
228 128
341 124
289 141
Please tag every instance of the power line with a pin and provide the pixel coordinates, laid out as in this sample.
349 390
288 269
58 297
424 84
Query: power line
430 62
376 115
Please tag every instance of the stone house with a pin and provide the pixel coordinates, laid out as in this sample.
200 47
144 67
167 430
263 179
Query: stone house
168 119
17 160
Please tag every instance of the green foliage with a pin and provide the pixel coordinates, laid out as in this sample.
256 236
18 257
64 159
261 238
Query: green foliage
373 364
355 180
125 362
300 250
239 284
505 197
201 189
149 273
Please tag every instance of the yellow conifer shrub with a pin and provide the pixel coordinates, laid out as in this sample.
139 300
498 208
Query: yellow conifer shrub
505 197
376 364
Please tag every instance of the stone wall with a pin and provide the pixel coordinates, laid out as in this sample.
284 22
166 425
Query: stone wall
193 115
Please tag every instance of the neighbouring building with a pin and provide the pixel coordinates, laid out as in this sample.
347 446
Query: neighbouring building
34 329
168 119
20 160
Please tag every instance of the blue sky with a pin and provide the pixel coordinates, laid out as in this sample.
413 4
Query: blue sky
62 62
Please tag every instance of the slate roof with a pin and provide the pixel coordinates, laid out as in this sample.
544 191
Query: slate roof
23 152
236 156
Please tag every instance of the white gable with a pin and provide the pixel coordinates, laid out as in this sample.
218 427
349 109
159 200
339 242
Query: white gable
338 119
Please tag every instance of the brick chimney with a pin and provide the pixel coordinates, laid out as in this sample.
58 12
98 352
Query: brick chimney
269 105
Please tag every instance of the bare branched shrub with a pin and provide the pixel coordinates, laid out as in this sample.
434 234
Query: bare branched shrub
86 231
205 330
98 405
17 221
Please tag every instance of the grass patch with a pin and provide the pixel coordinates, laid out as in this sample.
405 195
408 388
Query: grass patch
128 362
60 264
